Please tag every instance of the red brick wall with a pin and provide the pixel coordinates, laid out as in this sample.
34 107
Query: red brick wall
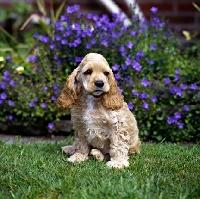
181 13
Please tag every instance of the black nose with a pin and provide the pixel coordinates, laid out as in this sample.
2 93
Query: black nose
99 83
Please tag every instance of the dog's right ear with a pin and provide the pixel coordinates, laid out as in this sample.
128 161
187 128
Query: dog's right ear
70 92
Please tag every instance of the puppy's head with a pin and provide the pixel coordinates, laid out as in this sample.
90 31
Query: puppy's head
96 78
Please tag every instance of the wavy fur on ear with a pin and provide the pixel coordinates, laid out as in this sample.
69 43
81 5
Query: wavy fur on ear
113 99
69 94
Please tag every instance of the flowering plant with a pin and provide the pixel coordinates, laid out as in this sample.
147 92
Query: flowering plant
158 82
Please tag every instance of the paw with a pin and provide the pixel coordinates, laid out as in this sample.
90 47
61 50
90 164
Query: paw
77 157
97 154
117 164
70 150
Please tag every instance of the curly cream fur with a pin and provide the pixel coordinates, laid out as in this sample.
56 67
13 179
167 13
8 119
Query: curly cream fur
103 123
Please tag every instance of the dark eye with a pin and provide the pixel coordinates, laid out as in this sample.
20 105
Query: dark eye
88 72
106 73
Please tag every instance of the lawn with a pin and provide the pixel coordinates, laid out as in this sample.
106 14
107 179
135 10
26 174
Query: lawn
40 170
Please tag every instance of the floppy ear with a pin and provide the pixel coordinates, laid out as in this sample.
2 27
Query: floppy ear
69 94
113 99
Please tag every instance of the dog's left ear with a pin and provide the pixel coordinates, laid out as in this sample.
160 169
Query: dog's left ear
113 99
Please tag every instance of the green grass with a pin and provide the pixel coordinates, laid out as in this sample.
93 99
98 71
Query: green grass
40 170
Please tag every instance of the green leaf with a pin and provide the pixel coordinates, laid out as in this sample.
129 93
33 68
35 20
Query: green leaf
196 6
41 7
60 8
45 27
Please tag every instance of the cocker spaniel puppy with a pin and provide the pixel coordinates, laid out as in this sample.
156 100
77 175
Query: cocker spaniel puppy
101 119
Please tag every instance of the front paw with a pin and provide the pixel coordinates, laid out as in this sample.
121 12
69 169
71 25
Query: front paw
77 157
117 164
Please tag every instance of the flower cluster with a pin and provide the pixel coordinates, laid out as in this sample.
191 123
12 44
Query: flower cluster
155 79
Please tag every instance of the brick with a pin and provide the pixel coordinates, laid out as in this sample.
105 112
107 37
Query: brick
186 7
161 6
181 19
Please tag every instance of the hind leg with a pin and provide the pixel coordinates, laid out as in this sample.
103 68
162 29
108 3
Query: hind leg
97 154
69 150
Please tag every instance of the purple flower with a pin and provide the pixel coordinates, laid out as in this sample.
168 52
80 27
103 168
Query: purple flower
124 67
77 59
55 57
52 47
31 104
179 93
9 58
44 39
93 41
10 117
145 82
128 61
122 51
193 86
162 24
176 77
10 103
36 35
129 45
150 62
144 96
167 80
117 76
64 41
44 105
88 46
73 9
77 42
58 63
3 85
45 88
58 37
12 83
185 108
115 67
35 99
183 86
177 71
104 43
154 10
133 33
53 98
139 55
154 99
136 66
32 58
153 46
171 120
177 115
180 125
174 90
145 105
51 126
6 75
3 96
130 105
134 92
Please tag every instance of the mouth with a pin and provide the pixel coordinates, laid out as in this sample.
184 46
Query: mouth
97 93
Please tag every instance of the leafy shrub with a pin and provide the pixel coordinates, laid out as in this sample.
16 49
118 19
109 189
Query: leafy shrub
159 83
